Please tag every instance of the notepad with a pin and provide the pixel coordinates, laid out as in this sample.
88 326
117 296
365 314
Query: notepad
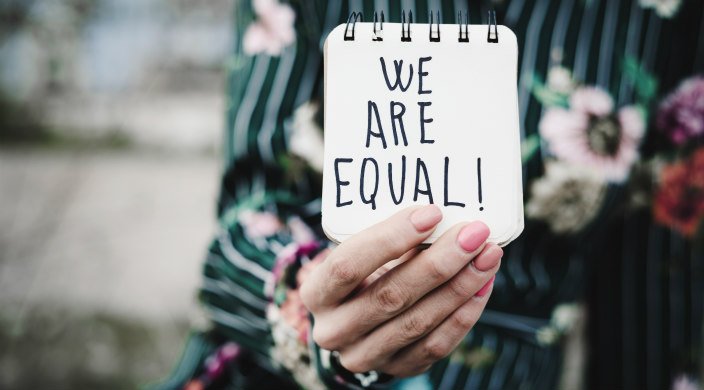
417 114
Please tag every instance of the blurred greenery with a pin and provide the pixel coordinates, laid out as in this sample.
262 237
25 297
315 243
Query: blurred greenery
19 126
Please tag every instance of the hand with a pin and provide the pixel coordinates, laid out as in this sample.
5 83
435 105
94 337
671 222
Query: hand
388 306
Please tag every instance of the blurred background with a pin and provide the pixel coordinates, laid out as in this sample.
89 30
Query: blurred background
111 118
111 113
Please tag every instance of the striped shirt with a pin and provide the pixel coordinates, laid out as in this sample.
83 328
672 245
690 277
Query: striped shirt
593 38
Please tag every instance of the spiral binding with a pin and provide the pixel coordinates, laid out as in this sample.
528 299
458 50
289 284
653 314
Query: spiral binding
406 31
461 37
495 39
354 15
430 30
433 35
378 36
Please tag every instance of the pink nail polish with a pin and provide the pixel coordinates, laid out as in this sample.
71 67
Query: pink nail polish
488 258
426 217
482 291
473 236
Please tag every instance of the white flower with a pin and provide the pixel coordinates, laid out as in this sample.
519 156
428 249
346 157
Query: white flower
289 352
546 335
568 197
560 80
307 137
664 8
564 316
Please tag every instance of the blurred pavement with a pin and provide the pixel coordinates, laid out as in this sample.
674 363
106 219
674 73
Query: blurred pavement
100 256
110 115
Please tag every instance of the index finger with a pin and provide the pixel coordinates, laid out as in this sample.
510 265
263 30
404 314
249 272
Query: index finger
362 254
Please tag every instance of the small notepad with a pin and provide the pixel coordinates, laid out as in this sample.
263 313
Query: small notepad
418 114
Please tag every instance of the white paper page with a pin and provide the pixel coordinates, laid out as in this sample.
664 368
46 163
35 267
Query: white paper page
460 127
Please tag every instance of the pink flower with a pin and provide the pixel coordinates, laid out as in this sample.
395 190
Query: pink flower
591 100
296 315
260 224
285 258
590 133
300 232
308 267
685 382
681 114
273 31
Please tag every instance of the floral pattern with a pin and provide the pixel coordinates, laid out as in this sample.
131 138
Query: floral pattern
273 31
664 8
567 197
288 317
563 320
679 201
560 80
307 137
215 366
591 148
594 144
681 114
259 224
685 382
590 133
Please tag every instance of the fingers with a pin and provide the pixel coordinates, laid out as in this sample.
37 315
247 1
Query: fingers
402 286
387 267
419 356
358 257
381 344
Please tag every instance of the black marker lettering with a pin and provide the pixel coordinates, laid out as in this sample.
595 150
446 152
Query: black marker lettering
398 65
420 164
479 181
341 183
403 181
423 121
371 105
447 185
398 116
421 60
372 197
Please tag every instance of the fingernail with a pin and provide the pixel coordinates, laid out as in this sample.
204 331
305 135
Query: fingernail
482 291
426 217
489 258
473 236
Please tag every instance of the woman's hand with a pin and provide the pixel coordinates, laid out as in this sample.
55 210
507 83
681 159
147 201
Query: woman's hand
385 305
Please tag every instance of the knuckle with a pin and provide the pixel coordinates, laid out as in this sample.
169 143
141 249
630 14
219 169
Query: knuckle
463 319
459 287
391 240
388 238
389 297
439 270
434 350
414 326
342 272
